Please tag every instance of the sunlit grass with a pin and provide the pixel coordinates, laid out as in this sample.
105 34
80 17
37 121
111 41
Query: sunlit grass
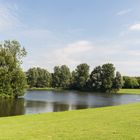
47 88
129 91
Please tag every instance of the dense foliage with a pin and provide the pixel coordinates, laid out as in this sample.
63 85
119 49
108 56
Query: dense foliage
12 78
38 77
61 77
102 78
131 82
80 76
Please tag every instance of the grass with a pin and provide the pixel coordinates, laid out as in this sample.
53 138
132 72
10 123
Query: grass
129 91
108 123
122 91
46 88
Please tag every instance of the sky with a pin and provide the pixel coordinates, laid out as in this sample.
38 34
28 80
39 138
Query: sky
57 32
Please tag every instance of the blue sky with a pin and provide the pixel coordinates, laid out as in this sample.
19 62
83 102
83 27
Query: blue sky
56 32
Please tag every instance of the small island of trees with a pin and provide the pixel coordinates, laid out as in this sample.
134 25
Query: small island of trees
101 79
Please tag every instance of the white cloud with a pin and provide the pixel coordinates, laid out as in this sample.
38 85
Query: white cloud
123 56
8 17
135 27
124 12
70 54
78 47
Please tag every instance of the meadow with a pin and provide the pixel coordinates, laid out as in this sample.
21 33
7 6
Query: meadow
129 91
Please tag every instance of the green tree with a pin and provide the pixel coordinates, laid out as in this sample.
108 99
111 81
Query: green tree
103 79
65 76
61 77
108 73
56 77
44 78
38 77
12 78
32 75
138 79
18 82
130 82
95 80
118 81
80 76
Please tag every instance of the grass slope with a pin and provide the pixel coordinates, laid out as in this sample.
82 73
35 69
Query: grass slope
123 91
129 91
45 89
109 123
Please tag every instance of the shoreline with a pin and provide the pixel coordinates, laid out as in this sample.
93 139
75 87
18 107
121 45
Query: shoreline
121 91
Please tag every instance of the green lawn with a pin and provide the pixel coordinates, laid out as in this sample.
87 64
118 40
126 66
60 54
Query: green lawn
123 91
108 123
46 88
129 91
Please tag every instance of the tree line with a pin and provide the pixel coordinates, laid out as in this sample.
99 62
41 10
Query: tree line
102 79
131 82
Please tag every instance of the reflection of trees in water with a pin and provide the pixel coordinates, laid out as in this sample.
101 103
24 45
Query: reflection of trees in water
63 107
32 107
60 107
40 107
11 107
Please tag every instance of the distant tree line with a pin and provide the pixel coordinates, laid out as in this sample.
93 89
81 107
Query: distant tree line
102 78
131 82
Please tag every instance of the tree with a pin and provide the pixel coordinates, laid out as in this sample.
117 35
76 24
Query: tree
56 76
130 82
61 77
95 80
108 72
80 76
12 78
103 79
38 77
14 48
65 76
44 78
18 82
138 79
118 81
32 76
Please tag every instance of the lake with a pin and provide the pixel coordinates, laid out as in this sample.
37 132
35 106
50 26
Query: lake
34 102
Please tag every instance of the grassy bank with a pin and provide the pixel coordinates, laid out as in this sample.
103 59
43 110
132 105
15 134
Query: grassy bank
129 91
123 91
47 89
109 123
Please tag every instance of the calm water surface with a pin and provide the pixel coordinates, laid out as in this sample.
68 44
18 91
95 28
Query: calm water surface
51 101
